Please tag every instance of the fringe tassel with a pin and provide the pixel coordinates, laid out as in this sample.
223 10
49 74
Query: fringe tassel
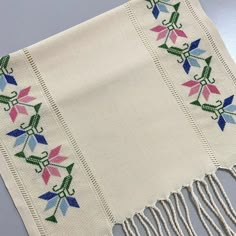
143 223
157 221
125 230
134 226
162 219
212 206
172 216
225 202
186 220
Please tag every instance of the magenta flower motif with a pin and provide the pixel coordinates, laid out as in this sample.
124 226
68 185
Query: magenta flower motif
201 87
163 32
51 164
19 103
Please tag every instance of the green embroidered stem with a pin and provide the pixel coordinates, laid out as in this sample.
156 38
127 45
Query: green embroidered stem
209 108
230 113
4 99
4 65
167 37
4 62
200 58
25 104
25 143
53 218
199 93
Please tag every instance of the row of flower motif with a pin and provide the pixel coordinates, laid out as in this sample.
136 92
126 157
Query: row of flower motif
190 55
30 134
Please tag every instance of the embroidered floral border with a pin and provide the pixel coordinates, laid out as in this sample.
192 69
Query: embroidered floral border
28 136
201 85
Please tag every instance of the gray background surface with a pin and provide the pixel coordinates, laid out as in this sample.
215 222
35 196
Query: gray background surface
26 22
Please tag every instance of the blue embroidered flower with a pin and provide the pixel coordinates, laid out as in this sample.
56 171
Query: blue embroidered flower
223 112
189 55
60 199
27 137
192 56
6 79
227 112
64 202
157 6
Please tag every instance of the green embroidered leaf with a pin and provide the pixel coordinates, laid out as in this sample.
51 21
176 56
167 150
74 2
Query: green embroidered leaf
4 61
69 168
37 107
4 99
163 46
52 219
208 60
197 103
176 6
20 154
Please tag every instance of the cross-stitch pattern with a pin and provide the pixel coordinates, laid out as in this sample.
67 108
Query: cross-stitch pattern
28 136
191 55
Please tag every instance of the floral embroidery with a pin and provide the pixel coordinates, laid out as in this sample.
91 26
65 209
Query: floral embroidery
5 74
165 32
201 87
190 56
157 6
60 198
28 136
223 111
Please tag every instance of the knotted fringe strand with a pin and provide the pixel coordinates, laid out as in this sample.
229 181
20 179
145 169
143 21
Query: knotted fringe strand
162 219
172 216
224 201
212 206
185 219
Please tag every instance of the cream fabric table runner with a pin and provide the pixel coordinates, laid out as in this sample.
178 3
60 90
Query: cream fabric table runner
105 119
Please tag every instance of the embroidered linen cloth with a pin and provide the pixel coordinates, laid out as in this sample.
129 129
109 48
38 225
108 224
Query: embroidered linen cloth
115 114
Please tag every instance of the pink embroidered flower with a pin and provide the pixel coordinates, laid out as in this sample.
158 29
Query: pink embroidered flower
163 32
201 87
18 104
51 164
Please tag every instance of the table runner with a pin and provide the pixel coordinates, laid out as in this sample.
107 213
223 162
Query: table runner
109 117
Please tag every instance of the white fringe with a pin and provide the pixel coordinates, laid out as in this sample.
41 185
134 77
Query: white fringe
170 218
162 219
187 222
206 195
125 230
226 204
211 204
145 226
157 221
134 226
